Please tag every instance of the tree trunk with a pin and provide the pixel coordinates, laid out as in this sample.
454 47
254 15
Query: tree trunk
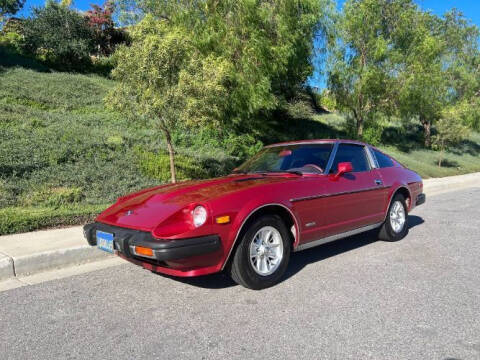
427 125
360 127
171 154
359 123
442 153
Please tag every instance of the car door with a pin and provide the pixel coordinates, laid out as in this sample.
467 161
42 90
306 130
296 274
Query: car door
355 199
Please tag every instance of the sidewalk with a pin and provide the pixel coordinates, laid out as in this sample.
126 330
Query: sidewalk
35 252
450 183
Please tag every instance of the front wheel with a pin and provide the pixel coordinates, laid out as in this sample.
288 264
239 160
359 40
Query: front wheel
395 226
262 255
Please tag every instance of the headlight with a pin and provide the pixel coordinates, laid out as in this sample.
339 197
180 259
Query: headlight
199 215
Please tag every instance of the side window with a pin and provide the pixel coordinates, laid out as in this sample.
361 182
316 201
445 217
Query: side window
351 153
383 160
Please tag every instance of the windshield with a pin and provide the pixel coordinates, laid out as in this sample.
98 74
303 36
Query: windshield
305 158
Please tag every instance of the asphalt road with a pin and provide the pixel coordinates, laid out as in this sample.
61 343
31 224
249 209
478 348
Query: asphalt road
353 299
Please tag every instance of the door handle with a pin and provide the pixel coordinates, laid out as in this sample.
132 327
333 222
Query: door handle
378 181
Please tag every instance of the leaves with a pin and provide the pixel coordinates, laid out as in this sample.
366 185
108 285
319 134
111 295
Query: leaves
59 35
392 58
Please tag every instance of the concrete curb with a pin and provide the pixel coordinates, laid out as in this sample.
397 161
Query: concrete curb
450 183
40 251
6 267
35 263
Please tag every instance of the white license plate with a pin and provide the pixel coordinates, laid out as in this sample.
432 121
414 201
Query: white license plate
105 241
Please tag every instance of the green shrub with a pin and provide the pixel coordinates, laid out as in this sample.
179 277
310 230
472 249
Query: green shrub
16 219
12 40
327 101
242 146
59 36
157 166
372 133
103 65
300 109
53 196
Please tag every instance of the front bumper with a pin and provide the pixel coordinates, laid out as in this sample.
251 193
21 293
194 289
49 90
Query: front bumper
421 198
125 241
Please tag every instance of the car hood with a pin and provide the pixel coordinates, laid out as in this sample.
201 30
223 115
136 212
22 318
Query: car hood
148 208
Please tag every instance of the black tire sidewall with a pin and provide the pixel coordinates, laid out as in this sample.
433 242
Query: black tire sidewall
244 266
392 235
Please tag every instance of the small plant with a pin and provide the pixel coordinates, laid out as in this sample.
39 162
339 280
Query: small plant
12 40
54 196
373 133
450 132
157 166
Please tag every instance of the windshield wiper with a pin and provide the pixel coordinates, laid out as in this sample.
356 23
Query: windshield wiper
297 172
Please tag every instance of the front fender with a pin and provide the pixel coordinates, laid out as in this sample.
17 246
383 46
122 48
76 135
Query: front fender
246 212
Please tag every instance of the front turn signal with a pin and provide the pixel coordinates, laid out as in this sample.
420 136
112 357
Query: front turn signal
223 219
143 251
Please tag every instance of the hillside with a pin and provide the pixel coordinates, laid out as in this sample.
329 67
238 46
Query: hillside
64 157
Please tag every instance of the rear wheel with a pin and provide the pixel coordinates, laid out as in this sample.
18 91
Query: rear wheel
262 255
395 226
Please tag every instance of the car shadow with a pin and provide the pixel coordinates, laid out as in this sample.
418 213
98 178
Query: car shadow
299 260
214 281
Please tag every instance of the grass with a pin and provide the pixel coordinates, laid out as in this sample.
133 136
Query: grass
64 157
425 162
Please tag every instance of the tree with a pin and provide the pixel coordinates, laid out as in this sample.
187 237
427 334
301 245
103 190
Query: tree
439 68
10 7
59 34
360 67
238 60
162 78
268 45
450 132
106 36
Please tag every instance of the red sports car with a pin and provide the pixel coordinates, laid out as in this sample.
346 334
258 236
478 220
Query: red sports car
289 197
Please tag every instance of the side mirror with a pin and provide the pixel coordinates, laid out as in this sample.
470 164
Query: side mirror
343 168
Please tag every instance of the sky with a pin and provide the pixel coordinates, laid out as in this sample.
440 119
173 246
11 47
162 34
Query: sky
470 8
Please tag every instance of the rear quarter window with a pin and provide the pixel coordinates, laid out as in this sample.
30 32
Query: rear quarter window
383 160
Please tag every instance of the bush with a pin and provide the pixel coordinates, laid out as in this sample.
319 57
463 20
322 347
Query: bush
372 134
327 101
12 40
157 166
103 65
16 220
59 36
53 197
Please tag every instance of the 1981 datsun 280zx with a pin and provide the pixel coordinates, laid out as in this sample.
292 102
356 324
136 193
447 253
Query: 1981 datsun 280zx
289 197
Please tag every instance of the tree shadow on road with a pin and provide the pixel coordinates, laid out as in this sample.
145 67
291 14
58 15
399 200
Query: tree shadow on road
301 259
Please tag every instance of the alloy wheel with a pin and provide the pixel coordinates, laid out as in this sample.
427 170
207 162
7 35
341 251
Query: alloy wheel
397 216
266 250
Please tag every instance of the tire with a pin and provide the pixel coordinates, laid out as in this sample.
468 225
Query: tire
391 229
261 271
